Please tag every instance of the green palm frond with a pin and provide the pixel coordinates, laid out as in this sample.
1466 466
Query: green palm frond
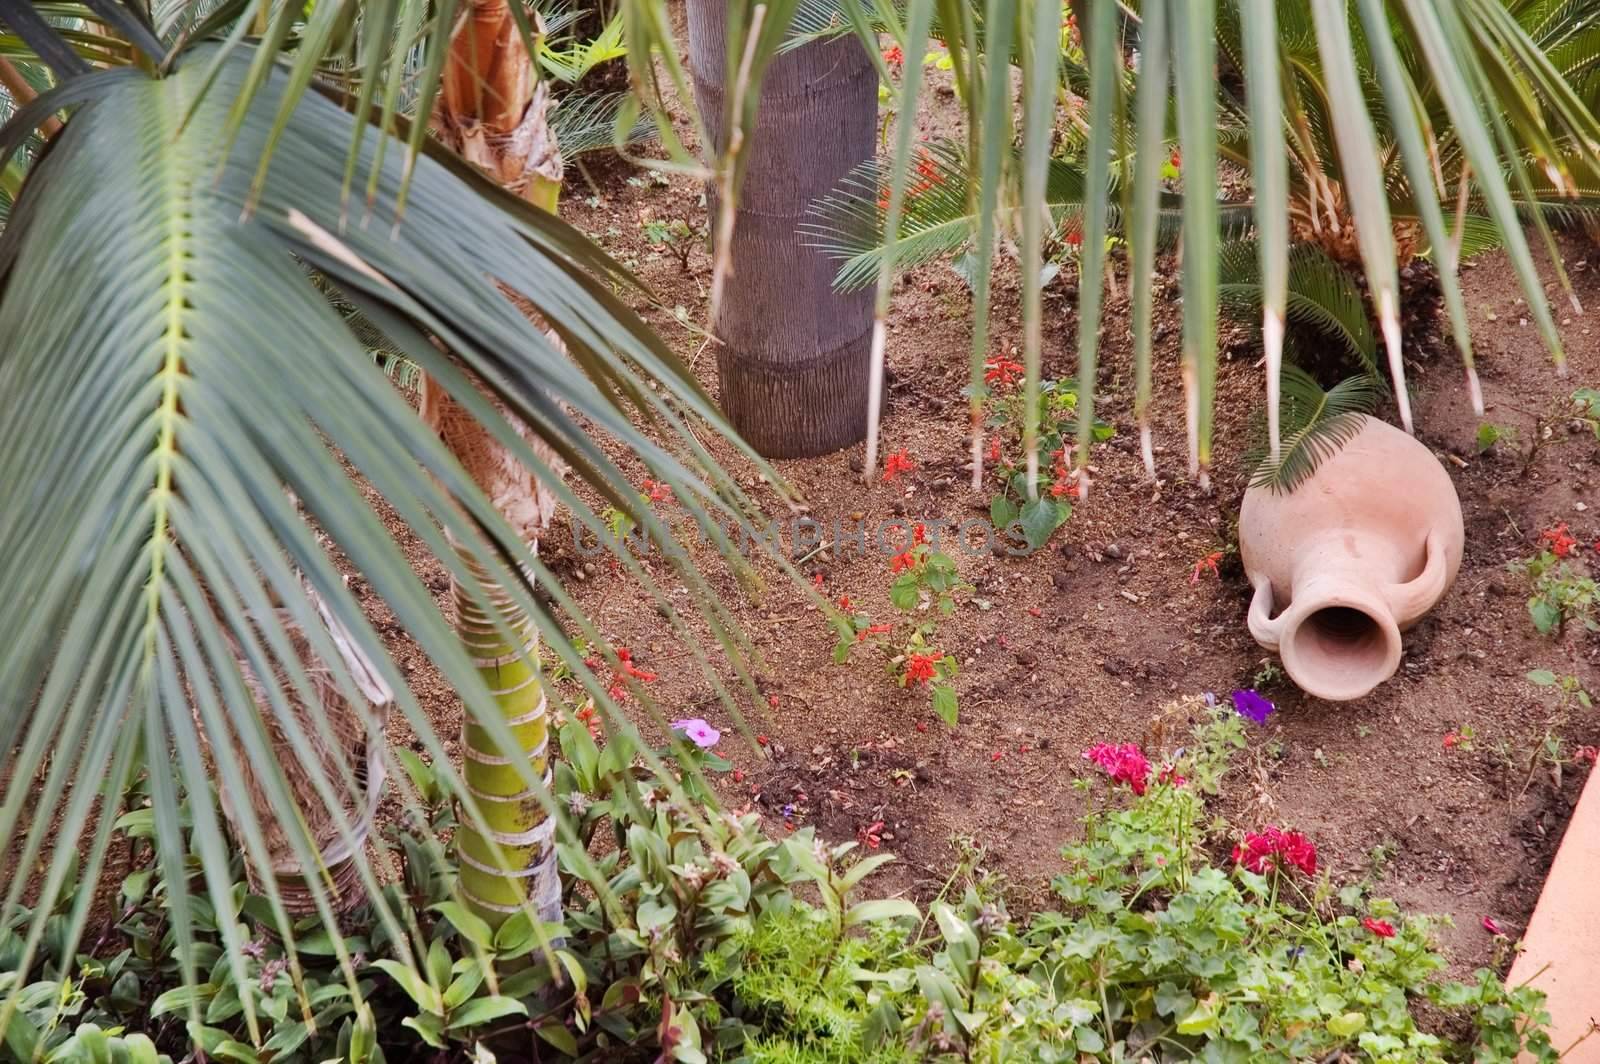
941 214
568 61
1321 295
1314 425
178 428
587 121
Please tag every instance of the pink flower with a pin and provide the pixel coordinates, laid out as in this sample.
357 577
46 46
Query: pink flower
1381 928
1125 763
1492 927
698 732
1270 850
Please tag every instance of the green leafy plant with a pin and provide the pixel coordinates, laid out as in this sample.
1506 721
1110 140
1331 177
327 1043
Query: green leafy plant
1489 435
1559 593
1038 518
1587 402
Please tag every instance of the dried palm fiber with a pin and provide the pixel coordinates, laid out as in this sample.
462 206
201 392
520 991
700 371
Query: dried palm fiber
493 110
515 864
348 741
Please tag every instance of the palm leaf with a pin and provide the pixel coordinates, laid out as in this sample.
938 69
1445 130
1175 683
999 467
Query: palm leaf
157 551
587 121
1315 424
1319 294
942 212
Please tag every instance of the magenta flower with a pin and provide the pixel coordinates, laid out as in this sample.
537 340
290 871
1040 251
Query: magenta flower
1125 763
1253 706
1272 850
697 731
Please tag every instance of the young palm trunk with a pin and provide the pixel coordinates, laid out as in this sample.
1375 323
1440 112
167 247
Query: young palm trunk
493 111
793 362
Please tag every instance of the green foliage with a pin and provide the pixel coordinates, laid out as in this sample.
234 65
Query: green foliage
1037 517
710 941
1490 434
1587 402
1315 424
1560 593
1321 295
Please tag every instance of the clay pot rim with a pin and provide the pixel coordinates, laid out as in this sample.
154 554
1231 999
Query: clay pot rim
1328 688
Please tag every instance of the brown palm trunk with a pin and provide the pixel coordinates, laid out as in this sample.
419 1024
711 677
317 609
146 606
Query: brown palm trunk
794 356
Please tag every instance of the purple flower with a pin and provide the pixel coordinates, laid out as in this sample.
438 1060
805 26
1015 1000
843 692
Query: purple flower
698 732
1252 705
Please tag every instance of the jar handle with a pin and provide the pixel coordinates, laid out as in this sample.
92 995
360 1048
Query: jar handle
1263 626
1409 601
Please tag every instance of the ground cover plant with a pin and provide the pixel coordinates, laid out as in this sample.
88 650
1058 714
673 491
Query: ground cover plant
1171 932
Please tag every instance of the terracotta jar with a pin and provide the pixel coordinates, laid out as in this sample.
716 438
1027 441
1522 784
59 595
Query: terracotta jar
1356 554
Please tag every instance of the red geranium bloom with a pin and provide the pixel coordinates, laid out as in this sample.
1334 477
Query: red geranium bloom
1125 763
904 560
919 534
1272 850
893 55
1381 928
919 668
657 491
897 463
1559 540
1074 238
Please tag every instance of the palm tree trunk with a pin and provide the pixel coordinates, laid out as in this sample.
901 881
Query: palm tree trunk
794 356
493 111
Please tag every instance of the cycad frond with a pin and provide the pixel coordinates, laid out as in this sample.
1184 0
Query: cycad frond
1321 294
941 212
587 121
1314 425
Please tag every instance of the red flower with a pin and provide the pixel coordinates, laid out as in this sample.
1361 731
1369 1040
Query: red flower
1075 238
919 668
657 491
1003 372
1124 764
844 602
1064 488
1271 849
626 657
873 629
1170 776
897 463
816 579
1177 159
903 560
1451 740
1591 754
893 55
994 456
919 534
1559 540
1208 562
1381 928
996 756
868 836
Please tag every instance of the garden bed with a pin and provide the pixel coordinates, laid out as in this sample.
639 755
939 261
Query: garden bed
1424 786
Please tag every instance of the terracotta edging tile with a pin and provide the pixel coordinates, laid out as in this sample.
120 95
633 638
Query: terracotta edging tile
1563 937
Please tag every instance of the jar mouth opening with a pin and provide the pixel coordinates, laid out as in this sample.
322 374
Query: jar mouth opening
1341 650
